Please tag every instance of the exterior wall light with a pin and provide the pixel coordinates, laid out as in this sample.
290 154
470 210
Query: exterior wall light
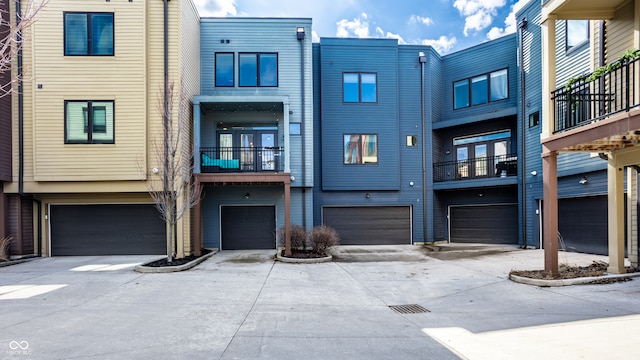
583 181
300 33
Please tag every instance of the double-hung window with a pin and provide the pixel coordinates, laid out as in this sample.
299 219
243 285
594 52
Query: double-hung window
360 149
359 87
88 122
481 89
258 69
88 33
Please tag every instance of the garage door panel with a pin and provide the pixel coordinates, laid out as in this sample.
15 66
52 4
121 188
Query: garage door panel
80 230
486 224
248 227
370 225
583 224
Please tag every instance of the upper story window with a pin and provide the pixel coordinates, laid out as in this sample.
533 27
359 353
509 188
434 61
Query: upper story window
88 33
258 69
88 122
225 69
360 149
577 33
481 89
360 87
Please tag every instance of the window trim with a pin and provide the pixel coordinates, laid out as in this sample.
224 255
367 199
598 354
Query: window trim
360 73
89 38
233 68
469 84
362 163
89 124
569 49
258 77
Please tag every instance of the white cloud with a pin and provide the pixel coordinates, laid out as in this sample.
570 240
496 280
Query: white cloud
389 35
358 27
416 19
442 45
510 22
314 36
478 13
216 7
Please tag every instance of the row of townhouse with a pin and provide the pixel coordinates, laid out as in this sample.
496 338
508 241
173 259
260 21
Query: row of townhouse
386 143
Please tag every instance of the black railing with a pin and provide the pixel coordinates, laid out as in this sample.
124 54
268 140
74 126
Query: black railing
483 167
241 159
596 96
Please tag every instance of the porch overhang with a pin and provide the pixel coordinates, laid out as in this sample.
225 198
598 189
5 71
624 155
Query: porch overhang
617 132
581 9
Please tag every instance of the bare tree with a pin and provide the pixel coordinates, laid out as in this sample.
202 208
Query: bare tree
177 191
12 40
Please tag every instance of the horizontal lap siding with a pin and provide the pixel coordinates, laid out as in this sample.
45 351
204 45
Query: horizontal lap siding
120 78
381 118
619 33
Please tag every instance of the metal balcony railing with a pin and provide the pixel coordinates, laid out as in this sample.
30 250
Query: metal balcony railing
475 168
241 159
593 97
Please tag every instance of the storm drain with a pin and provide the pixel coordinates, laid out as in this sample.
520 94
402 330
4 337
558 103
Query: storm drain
409 309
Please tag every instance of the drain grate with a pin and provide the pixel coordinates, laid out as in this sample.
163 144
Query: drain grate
409 309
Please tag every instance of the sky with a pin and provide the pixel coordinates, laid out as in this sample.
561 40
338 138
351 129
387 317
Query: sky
446 25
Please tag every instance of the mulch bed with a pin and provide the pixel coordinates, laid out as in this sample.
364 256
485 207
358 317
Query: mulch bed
176 262
597 268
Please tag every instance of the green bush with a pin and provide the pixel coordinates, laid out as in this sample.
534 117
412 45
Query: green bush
322 238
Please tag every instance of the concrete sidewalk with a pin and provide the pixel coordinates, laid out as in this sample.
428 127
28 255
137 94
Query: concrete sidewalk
243 305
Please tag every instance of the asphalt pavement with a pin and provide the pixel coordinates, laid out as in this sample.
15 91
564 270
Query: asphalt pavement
245 305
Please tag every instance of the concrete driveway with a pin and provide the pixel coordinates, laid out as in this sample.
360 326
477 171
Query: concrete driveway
243 305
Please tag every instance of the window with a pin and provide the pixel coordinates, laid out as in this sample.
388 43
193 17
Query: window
88 34
224 69
483 155
88 122
360 87
360 149
481 89
258 69
577 33
295 128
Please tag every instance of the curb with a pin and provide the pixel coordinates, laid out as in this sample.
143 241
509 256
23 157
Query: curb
568 282
303 261
18 261
169 269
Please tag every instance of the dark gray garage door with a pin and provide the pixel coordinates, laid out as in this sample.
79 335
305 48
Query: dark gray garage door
485 224
582 223
106 230
248 227
370 225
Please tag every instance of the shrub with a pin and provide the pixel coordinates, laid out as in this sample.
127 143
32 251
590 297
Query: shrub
4 248
322 238
298 237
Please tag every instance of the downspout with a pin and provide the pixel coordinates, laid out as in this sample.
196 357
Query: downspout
523 100
21 193
300 36
422 58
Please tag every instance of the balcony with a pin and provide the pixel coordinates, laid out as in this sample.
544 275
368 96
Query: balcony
499 166
596 96
241 159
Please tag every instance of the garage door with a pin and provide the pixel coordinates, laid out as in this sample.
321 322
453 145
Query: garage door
106 230
582 223
248 227
370 225
485 224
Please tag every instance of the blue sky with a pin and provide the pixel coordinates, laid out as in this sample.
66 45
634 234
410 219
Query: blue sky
447 25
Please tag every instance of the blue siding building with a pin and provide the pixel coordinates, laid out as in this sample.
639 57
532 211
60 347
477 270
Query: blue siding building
430 155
